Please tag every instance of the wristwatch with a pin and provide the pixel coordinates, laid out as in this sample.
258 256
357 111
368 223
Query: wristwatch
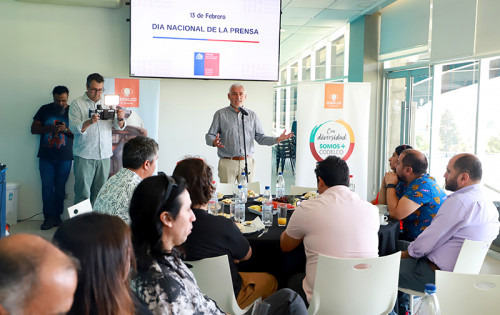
390 186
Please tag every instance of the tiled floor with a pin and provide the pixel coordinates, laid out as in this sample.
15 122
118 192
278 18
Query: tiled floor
491 264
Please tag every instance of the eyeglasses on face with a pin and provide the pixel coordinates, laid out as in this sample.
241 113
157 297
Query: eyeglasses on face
94 90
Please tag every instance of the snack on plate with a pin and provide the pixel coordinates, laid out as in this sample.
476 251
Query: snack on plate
251 194
240 226
227 201
256 208
259 199
220 195
311 195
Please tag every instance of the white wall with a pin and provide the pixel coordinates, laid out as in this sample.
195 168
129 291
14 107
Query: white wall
47 45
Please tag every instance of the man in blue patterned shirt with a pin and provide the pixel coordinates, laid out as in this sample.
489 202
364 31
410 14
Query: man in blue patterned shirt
413 195
139 161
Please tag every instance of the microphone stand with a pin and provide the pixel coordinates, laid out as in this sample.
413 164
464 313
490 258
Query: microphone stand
244 145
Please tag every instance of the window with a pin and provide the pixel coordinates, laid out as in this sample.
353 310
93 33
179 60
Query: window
337 58
306 69
321 64
294 73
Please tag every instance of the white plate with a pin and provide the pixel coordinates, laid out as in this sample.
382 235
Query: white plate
250 229
385 223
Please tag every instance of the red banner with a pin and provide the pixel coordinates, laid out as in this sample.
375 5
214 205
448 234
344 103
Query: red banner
334 96
128 89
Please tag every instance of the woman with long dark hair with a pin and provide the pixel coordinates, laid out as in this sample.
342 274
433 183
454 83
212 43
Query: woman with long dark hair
214 236
102 244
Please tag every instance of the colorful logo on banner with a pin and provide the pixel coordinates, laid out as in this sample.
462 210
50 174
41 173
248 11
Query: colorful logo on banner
334 96
206 64
128 89
332 138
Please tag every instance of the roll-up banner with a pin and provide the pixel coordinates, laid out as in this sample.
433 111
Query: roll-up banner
333 119
141 101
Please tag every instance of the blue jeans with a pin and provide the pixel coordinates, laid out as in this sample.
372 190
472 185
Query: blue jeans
54 174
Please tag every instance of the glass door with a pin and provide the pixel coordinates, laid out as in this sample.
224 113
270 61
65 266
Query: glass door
408 110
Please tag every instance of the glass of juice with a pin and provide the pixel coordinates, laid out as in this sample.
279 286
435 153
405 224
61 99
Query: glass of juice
282 212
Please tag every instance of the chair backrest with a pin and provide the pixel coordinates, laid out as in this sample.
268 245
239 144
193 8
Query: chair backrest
79 208
225 189
214 279
467 294
355 285
471 256
300 190
255 186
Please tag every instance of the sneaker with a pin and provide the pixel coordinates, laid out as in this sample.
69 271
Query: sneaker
50 222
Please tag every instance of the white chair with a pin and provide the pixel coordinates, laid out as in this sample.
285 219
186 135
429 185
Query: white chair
467 294
469 260
255 186
355 285
300 190
214 279
225 189
79 208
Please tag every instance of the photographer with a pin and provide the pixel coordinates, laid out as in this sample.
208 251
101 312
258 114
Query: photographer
55 153
93 144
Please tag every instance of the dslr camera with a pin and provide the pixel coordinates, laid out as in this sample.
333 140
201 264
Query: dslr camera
104 113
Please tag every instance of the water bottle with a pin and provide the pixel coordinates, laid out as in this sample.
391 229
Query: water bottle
243 183
239 209
280 186
215 194
352 184
429 304
267 195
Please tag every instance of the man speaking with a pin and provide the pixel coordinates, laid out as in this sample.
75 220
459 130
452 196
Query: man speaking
226 133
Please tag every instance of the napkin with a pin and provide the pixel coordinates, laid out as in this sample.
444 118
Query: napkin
257 223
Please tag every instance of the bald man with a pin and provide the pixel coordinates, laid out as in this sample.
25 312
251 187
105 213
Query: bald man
466 214
35 277
412 195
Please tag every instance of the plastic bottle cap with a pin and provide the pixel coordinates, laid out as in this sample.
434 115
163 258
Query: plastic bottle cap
280 173
242 173
351 176
430 287
267 187
213 182
240 186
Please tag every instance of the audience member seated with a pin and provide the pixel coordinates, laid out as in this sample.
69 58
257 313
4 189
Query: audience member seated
106 257
412 195
466 214
336 223
214 236
161 219
139 161
393 160
35 277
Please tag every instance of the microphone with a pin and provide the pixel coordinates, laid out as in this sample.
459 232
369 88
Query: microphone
243 111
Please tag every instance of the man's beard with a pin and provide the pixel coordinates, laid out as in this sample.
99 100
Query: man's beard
58 109
451 185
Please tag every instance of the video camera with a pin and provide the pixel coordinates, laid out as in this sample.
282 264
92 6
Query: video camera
104 113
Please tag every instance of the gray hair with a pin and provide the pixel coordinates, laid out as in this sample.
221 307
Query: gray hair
236 85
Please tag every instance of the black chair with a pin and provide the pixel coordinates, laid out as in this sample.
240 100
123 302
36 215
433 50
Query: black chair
286 150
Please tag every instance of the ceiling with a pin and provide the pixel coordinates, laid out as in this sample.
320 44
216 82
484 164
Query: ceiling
306 22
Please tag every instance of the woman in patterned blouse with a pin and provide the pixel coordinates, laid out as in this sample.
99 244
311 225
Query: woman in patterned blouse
161 219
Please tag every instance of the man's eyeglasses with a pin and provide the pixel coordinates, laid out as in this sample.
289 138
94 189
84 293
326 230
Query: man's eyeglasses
94 90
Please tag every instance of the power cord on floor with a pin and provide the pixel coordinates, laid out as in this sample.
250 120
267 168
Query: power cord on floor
29 217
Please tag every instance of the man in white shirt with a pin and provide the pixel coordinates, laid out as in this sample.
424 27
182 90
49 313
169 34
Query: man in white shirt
139 161
92 147
337 223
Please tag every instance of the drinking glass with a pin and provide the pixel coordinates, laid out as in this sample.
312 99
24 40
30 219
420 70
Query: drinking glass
220 208
232 211
267 213
282 212
212 207
239 212
260 308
